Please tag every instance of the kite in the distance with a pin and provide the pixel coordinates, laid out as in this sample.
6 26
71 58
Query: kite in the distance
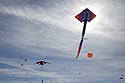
42 63
85 15
121 78
42 81
90 55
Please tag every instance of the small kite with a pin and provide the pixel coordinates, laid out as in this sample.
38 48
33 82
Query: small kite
90 55
121 78
85 15
79 73
26 73
42 63
25 60
42 81
21 64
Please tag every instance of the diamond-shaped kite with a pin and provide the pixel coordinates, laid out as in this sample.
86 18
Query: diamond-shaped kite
84 16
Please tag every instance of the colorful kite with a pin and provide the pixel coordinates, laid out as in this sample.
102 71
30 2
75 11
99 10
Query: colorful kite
85 15
90 55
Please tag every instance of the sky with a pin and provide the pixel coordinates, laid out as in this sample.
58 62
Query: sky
47 30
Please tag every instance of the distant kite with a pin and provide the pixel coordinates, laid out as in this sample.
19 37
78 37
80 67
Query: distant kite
90 55
85 15
25 60
21 64
42 81
121 78
42 63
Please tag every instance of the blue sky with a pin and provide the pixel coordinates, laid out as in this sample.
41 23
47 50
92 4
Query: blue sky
47 30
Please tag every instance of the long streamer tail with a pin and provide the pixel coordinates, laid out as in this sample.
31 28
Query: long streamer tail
79 49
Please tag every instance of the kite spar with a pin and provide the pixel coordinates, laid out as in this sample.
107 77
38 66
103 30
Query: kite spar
85 15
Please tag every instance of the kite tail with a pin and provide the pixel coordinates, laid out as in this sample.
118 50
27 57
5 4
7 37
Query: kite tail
78 53
79 49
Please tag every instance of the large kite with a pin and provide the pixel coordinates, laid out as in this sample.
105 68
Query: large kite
85 15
